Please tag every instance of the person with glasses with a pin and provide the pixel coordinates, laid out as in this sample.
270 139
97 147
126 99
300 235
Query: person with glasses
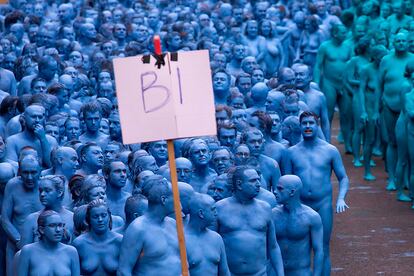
51 194
48 256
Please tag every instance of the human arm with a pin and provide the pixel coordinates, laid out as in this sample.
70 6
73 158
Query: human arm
343 180
6 214
46 143
223 269
131 247
275 176
409 106
27 233
261 46
13 84
320 59
316 230
325 125
287 164
11 153
274 249
75 264
24 262
361 97
350 73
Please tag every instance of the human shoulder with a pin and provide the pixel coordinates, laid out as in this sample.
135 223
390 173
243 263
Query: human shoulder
277 211
224 202
313 216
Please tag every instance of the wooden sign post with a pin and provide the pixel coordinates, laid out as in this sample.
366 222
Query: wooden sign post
176 192
165 97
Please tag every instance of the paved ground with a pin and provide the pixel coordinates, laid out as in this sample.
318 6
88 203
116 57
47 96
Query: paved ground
376 235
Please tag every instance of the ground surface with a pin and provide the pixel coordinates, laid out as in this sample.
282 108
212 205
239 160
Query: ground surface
376 235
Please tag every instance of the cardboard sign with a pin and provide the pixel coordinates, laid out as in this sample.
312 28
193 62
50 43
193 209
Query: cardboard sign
173 101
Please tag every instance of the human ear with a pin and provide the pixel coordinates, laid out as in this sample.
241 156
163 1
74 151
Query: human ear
163 199
200 213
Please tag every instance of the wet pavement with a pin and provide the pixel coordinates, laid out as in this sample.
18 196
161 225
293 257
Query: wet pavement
376 235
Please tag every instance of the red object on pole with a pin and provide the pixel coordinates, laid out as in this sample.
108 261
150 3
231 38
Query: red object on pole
176 193
157 45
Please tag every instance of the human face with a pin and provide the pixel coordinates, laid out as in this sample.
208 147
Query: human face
110 152
71 71
72 130
276 125
266 28
239 52
242 154
52 131
93 121
153 19
70 161
309 127
33 116
159 150
220 61
227 137
104 76
210 213
288 77
255 143
302 76
150 164
114 127
401 42
48 195
291 109
97 193
107 50
200 155
120 31
39 87
69 34
249 64
75 58
94 156
250 186
118 174
218 190
99 219
257 76
104 127
244 85
54 229
252 29
237 103
239 116
220 82
29 172
221 161
175 42
340 36
221 117
184 170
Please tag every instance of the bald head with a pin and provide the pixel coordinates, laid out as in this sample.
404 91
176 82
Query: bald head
200 202
259 92
290 181
186 193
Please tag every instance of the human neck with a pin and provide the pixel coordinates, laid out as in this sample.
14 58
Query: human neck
202 170
100 236
89 169
242 199
113 192
305 88
401 53
310 141
49 245
220 97
60 171
197 225
30 134
56 206
92 133
155 213
292 206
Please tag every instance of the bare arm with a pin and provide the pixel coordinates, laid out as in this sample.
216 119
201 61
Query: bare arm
7 213
320 59
362 88
409 106
13 84
11 153
223 269
275 176
274 249
23 267
325 125
317 244
75 265
27 234
343 180
131 247
287 165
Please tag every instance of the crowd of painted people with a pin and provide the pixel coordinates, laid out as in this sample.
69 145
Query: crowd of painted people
257 198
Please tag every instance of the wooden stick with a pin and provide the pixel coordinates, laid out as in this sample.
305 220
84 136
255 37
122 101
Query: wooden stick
177 208
176 192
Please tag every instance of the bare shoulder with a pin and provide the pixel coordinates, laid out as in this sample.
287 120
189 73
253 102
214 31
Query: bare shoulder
314 217
263 206
277 211
223 203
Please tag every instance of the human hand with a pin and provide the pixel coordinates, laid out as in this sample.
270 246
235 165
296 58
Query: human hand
39 131
341 206
375 118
